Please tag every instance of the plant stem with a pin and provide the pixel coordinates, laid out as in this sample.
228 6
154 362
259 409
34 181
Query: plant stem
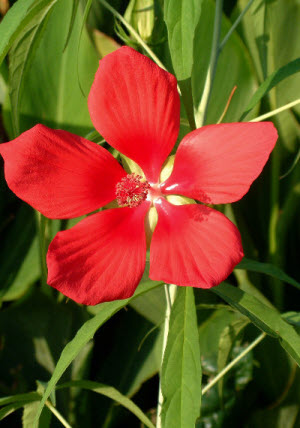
170 291
276 111
41 228
233 362
202 109
234 25
57 414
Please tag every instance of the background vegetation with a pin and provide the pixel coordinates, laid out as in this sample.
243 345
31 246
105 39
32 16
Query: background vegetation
49 52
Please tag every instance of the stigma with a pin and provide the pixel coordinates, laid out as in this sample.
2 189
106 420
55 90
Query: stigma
131 191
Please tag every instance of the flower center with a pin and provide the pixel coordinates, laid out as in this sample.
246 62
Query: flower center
131 191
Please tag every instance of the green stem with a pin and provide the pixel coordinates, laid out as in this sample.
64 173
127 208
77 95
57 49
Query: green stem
234 25
170 291
276 111
277 286
41 229
233 363
202 110
57 414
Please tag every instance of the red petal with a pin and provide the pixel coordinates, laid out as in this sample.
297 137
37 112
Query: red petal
60 174
193 245
135 106
218 163
100 259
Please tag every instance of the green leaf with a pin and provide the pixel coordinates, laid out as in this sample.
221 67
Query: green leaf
181 18
181 369
111 393
28 273
52 94
29 397
21 231
272 34
209 335
234 68
226 343
264 317
30 410
17 17
84 334
20 57
268 269
7 410
273 80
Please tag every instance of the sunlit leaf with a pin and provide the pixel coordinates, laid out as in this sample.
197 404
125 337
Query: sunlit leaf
264 317
268 269
181 18
181 369
273 80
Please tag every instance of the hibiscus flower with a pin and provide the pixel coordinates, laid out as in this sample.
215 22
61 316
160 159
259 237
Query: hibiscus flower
135 106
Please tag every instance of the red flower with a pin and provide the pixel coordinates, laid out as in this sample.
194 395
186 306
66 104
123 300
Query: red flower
135 106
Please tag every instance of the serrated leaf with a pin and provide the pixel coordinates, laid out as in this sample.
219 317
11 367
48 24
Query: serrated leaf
181 368
273 80
83 335
111 393
181 18
264 317
268 269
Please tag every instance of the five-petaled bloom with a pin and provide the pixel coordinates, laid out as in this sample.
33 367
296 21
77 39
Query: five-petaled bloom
135 106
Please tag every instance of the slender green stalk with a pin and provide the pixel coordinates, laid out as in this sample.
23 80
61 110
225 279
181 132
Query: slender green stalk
202 109
170 291
57 414
41 228
234 25
276 111
133 32
233 363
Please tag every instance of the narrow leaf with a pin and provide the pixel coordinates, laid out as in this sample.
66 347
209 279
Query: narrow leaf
28 397
10 408
84 334
226 343
181 369
268 269
264 317
112 393
273 80
181 18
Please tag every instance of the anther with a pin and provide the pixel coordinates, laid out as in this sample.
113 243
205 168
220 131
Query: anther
131 191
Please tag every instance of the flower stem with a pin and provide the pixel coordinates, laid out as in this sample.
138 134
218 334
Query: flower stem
57 414
170 291
232 363
202 109
41 228
276 111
